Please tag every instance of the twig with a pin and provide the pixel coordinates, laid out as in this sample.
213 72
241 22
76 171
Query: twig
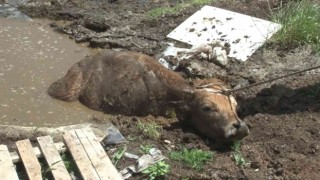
136 45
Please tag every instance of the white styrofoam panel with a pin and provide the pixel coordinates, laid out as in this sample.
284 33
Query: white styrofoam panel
244 33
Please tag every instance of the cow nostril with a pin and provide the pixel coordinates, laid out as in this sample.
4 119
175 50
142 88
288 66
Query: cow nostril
236 125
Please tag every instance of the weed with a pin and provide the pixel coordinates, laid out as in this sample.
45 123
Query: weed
45 169
171 113
118 155
236 146
195 158
146 149
201 2
239 159
70 164
237 156
132 138
300 24
150 129
161 168
161 11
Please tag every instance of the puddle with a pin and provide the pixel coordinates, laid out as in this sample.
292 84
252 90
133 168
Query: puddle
32 57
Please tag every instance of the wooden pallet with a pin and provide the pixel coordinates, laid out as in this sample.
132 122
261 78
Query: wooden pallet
88 154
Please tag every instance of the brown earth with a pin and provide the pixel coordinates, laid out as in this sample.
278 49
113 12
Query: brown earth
284 116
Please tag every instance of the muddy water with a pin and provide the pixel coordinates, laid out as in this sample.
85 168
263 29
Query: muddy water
31 58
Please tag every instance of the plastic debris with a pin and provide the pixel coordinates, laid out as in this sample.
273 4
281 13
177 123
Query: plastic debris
131 156
113 136
244 33
10 12
143 163
215 52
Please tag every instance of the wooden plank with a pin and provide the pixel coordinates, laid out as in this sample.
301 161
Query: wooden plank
29 159
80 157
7 169
16 158
104 163
53 158
105 171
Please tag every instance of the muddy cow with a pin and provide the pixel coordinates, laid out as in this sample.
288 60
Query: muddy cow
130 83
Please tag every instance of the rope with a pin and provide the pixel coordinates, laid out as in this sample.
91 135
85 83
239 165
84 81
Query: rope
272 79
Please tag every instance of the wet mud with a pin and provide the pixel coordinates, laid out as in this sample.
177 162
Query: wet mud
32 57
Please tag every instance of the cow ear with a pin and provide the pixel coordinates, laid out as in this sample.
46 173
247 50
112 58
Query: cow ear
183 113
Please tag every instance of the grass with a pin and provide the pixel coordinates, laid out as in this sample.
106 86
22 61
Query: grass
45 169
236 146
146 149
132 137
159 169
70 164
237 156
195 158
151 129
161 11
300 24
118 155
201 2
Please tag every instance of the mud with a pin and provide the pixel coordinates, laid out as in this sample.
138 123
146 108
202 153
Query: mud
32 57
284 116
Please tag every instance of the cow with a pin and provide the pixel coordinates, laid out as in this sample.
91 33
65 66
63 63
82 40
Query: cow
135 84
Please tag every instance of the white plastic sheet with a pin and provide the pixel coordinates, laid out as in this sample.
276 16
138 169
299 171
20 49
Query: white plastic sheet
244 33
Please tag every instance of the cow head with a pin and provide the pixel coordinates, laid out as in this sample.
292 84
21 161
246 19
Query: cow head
213 113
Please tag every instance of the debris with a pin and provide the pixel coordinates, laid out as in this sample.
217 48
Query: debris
148 159
131 156
143 163
214 52
168 145
113 136
10 12
127 172
252 32
220 56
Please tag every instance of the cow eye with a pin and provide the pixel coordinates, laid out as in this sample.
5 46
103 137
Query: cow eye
206 109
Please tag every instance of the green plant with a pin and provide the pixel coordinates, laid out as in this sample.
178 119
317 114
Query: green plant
171 113
150 129
195 158
161 11
237 156
118 155
45 169
300 24
239 159
145 149
70 164
161 168
236 146
201 2
132 138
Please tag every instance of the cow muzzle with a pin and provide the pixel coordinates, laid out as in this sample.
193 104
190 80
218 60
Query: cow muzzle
236 131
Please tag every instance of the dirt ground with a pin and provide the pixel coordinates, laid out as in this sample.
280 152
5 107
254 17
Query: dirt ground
283 116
